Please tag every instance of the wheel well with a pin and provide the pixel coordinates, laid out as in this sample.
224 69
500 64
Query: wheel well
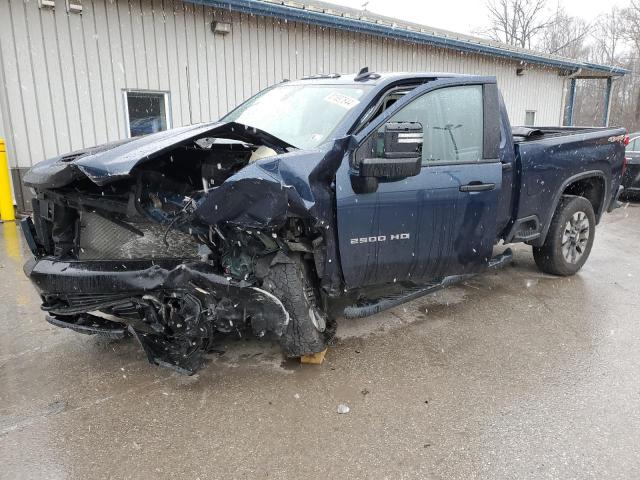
591 188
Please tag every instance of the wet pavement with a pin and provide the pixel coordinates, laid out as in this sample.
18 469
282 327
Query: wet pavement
514 374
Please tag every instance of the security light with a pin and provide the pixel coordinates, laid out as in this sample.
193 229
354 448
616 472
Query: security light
220 27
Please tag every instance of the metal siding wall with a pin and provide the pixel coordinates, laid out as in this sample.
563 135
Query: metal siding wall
3 132
65 73
15 121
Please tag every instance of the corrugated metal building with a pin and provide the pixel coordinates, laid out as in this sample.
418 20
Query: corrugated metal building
77 73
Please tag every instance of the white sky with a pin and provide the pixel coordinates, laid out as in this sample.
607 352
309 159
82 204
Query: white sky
465 16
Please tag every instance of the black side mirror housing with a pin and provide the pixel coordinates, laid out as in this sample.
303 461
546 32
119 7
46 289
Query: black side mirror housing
390 168
402 140
401 152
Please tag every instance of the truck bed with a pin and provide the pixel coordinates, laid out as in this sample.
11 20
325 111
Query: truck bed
523 134
550 158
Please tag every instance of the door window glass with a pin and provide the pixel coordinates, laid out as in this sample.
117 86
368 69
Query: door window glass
146 112
452 122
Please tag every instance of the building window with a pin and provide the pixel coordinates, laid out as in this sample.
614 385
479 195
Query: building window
146 112
530 118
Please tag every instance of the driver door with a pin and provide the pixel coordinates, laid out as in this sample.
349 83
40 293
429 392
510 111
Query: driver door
441 221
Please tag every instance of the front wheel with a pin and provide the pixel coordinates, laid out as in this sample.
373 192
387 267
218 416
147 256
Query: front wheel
570 238
309 329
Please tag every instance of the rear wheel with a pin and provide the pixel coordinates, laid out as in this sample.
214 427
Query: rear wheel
570 238
309 329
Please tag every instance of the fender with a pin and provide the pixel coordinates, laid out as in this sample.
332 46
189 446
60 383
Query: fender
558 195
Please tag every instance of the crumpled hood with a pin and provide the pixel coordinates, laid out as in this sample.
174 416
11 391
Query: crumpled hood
265 193
114 161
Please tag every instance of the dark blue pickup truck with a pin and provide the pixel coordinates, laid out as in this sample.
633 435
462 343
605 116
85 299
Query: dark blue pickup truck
362 190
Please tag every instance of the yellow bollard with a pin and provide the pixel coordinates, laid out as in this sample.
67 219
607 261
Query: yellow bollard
10 241
7 212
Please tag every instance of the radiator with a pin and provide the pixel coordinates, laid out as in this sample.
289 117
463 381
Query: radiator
102 239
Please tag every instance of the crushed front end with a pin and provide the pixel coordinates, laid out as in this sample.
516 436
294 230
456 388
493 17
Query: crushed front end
170 238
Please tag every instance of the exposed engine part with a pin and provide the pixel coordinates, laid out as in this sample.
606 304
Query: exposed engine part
241 248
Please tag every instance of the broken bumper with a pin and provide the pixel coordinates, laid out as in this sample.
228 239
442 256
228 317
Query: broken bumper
50 275
173 308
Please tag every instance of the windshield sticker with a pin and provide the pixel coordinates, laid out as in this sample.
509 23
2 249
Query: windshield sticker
342 100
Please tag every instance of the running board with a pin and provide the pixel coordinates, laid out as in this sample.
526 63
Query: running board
385 303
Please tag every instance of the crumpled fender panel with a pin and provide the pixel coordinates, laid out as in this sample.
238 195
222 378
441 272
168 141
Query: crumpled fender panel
264 194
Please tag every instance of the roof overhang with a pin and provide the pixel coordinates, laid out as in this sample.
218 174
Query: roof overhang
382 26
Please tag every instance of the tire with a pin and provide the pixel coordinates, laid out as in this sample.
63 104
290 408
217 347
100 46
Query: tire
570 238
309 330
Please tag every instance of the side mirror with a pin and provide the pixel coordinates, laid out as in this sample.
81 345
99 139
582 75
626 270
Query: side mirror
402 140
400 154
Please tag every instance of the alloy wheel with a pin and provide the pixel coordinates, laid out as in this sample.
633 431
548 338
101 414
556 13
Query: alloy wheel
575 237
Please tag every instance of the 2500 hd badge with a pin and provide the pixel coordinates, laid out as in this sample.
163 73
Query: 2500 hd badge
380 238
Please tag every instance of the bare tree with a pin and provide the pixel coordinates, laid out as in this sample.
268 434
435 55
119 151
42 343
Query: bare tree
564 35
631 29
631 34
613 39
607 35
516 22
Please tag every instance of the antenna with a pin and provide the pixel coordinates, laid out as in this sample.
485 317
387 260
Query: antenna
365 74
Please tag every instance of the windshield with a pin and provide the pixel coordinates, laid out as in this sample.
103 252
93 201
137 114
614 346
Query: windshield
302 115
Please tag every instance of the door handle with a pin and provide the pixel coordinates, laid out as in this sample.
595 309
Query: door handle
477 187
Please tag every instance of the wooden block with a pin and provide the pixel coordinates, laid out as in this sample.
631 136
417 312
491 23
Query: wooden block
315 359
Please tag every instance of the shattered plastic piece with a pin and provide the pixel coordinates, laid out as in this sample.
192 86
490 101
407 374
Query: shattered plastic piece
342 409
